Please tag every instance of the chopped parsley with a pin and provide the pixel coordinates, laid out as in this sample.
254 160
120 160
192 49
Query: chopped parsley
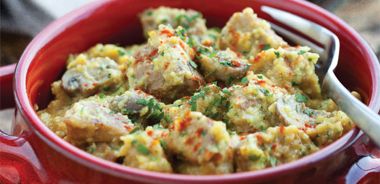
266 47
225 63
301 98
253 157
167 118
164 21
265 91
294 83
226 91
155 109
193 64
185 20
91 148
207 51
121 52
107 88
272 161
149 13
142 149
244 80
163 143
277 54
134 130
181 33
101 95
301 52
194 98
260 76
230 80
309 112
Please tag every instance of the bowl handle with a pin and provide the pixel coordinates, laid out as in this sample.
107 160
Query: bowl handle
367 168
18 162
6 90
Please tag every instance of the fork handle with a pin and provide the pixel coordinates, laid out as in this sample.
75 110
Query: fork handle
367 120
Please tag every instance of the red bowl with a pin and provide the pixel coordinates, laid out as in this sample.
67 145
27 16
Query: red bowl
35 154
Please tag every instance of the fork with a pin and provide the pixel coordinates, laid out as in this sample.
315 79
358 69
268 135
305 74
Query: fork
367 120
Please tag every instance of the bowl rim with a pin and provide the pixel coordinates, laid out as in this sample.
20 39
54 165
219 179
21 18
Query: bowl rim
43 132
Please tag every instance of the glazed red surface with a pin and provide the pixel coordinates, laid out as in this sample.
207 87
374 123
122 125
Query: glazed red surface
116 21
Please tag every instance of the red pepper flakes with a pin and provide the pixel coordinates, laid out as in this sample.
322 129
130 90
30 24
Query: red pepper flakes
207 43
164 134
259 138
189 141
128 127
196 147
235 37
262 46
303 129
261 82
166 65
149 132
185 122
258 57
167 32
217 157
282 129
274 146
309 125
182 45
235 63
153 53
242 138
140 59
199 132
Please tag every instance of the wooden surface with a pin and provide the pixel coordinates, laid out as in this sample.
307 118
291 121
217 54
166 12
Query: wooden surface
362 15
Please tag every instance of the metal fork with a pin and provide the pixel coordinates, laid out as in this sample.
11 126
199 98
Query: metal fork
367 120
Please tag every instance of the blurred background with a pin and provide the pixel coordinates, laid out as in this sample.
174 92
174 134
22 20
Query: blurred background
21 20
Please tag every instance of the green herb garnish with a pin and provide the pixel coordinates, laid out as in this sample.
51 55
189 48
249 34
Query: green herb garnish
193 64
226 91
102 95
155 109
244 80
107 88
181 33
134 130
163 143
142 149
265 91
195 97
266 47
272 161
121 52
277 54
301 52
253 157
225 63
301 98
309 112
